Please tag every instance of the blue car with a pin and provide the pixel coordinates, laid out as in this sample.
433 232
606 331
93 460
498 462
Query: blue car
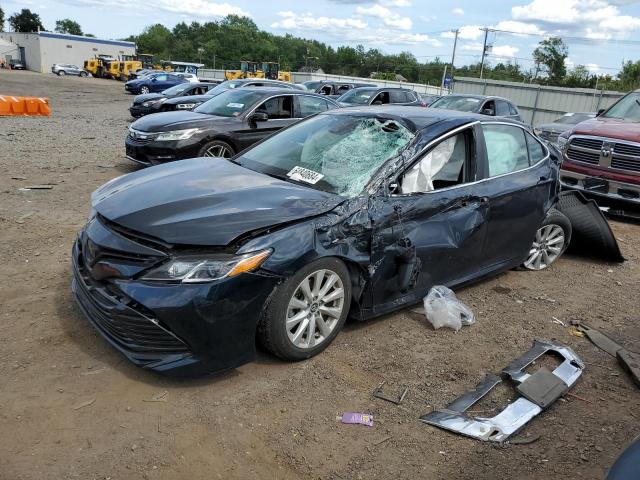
156 82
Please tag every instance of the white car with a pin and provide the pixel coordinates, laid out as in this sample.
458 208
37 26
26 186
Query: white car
189 76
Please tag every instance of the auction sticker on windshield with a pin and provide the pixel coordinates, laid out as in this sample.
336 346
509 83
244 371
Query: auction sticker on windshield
302 174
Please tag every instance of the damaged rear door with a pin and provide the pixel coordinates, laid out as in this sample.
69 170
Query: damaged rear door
432 229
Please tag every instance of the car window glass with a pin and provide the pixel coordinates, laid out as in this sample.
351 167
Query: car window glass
326 90
277 107
536 152
161 78
441 167
342 89
382 97
396 96
506 149
489 108
502 108
513 110
311 105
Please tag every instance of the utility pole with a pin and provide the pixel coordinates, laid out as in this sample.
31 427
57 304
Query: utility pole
453 58
484 50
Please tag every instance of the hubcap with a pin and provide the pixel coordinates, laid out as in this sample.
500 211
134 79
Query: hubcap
217 151
144 90
546 248
315 309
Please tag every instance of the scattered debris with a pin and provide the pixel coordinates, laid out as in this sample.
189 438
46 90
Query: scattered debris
524 441
381 441
377 392
108 165
36 187
443 309
357 418
158 397
629 361
22 218
558 321
84 404
538 391
576 333
93 372
577 397
18 178
502 289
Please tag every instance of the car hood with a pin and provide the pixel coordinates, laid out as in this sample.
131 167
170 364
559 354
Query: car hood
609 127
146 97
189 99
555 127
168 121
205 201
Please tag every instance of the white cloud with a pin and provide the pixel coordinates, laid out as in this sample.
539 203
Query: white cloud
457 11
389 18
472 47
593 68
468 32
197 8
307 21
504 51
518 27
598 19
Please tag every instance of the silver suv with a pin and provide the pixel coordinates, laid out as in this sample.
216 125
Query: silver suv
67 69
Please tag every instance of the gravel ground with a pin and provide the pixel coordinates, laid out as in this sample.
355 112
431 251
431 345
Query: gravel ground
72 407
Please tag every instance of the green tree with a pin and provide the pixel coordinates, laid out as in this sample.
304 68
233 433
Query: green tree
1 19
66 25
629 76
25 21
552 53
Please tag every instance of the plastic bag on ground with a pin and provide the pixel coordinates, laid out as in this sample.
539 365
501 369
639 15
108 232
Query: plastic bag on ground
443 309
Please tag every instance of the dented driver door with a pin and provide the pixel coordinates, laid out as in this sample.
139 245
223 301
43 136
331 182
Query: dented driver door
424 238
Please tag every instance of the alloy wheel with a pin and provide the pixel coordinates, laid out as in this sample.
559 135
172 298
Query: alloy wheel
546 248
144 90
315 309
217 151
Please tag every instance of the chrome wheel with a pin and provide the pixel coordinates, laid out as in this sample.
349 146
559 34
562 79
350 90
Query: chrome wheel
315 309
546 248
218 151
144 90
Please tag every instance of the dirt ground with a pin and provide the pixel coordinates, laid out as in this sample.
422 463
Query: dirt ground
72 407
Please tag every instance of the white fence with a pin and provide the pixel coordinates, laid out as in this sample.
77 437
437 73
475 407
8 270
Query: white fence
539 104
299 77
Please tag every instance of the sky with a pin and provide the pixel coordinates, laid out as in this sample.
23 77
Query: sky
600 33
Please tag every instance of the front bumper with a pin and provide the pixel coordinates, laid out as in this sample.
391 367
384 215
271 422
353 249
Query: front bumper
137 110
175 329
152 152
621 198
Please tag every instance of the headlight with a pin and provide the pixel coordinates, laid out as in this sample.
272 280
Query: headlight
148 103
185 106
194 269
177 134
562 142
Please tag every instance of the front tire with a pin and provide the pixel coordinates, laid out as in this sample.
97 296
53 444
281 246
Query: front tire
83 74
307 311
551 240
144 90
217 148
62 73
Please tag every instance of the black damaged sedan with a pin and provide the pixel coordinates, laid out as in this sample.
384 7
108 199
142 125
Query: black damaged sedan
355 212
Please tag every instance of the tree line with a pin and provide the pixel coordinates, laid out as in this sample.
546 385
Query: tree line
225 43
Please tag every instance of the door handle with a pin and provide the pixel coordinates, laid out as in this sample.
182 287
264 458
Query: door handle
469 200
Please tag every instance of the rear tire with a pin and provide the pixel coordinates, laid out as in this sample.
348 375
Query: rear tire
551 240
83 74
61 73
307 311
217 148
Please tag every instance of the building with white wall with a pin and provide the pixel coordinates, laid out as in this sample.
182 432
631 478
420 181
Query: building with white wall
40 50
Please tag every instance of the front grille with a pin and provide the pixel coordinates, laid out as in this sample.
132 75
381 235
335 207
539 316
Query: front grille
130 326
139 141
621 163
626 149
592 158
590 143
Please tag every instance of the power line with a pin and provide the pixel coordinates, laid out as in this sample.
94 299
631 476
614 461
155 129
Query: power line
569 39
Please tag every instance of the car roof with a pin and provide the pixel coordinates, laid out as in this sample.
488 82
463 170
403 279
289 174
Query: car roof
376 87
421 117
289 91
479 97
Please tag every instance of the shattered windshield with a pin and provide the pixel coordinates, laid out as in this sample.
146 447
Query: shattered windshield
460 104
628 108
357 96
230 103
334 153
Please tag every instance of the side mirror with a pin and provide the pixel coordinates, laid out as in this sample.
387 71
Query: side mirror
154 79
259 117
488 111
394 187
600 112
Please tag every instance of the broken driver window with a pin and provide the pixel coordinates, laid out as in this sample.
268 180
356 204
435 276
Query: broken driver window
336 153
442 167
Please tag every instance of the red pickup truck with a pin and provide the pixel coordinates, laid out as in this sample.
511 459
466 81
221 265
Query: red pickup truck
601 156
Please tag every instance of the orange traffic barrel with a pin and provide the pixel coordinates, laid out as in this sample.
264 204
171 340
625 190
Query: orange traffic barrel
10 105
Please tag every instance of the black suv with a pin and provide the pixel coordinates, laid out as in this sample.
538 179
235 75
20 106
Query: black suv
222 126
380 96
334 89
